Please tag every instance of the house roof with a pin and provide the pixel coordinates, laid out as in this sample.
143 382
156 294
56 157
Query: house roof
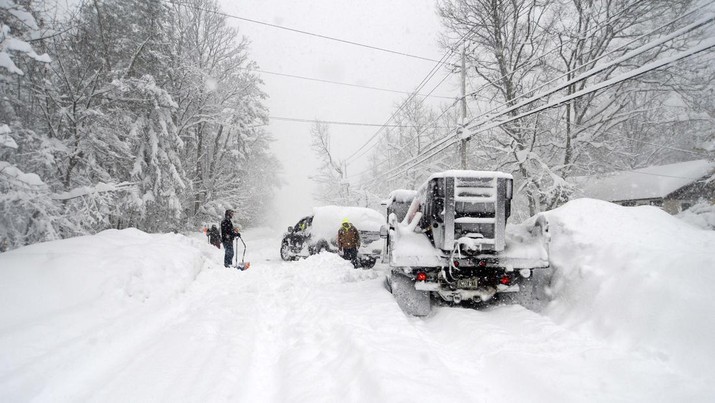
645 183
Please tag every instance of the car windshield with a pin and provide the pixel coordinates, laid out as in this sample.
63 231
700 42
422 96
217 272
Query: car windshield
302 224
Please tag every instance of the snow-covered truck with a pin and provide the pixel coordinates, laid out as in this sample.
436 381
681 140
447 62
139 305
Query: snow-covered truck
453 243
318 232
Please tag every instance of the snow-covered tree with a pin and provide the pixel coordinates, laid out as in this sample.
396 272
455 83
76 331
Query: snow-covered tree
524 48
220 113
147 115
28 212
333 186
417 127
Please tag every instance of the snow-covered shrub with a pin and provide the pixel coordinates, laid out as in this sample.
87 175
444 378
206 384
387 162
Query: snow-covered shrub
701 215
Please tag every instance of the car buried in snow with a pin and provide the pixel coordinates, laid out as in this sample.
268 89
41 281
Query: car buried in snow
318 232
453 244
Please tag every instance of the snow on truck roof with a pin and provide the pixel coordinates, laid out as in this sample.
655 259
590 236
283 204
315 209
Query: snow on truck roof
470 174
327 220
456 173
401 196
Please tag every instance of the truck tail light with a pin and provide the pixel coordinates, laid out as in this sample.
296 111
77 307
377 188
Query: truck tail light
421 276
505 280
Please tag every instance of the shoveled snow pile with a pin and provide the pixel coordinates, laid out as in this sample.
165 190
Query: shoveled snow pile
638 277
701 215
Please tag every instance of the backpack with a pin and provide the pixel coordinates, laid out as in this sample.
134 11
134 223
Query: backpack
214 236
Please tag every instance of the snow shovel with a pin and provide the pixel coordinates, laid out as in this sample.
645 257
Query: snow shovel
243 265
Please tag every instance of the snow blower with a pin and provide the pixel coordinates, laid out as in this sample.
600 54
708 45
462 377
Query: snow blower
243 265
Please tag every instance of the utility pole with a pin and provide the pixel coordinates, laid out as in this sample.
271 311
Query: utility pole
345 183
463 144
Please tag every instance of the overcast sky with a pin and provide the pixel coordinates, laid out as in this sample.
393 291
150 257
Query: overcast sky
410 26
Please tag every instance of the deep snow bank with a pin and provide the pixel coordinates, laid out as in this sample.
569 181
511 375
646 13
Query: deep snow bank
638 277
104 271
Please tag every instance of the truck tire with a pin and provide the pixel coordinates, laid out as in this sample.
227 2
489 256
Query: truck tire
320 247
411 301
285 252
368 263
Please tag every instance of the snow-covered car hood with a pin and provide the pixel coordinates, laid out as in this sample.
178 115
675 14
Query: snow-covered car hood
327 220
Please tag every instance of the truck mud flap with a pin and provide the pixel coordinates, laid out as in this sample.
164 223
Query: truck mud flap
410 300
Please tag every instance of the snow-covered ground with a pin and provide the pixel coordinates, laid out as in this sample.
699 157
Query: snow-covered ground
129 316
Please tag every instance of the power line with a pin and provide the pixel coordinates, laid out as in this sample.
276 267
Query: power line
335 122
666 147
486 118
449 140
394 114
340 83
440 62
661 175
593 71
426 127
299 31
464 38
596 70
422 83
475 92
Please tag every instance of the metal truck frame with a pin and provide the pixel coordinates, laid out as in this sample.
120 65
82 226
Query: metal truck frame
453 243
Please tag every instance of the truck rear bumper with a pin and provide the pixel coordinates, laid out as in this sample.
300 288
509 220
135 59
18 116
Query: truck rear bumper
459 294
425 286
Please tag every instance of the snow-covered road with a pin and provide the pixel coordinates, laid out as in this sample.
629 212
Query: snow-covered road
311 330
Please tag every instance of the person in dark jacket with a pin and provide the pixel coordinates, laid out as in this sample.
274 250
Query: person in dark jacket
228 234
349 242
214 236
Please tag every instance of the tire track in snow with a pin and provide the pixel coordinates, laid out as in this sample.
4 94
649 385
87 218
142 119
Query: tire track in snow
330 334
337 326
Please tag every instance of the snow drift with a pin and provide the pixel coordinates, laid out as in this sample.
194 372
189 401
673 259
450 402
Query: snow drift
101 270
637 277
62 299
